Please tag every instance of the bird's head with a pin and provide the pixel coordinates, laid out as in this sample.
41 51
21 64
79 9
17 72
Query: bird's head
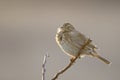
67 27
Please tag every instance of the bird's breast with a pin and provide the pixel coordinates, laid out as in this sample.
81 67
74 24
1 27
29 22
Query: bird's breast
66 44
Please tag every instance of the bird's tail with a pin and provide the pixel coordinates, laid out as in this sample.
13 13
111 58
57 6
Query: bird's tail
103 59
100 58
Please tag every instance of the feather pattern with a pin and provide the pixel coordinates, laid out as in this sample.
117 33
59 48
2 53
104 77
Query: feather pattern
70 41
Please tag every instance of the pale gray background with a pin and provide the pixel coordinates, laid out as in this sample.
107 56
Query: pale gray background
27 32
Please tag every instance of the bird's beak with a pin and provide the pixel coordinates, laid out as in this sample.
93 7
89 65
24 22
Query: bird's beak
59 29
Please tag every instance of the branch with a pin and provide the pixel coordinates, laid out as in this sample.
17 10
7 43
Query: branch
72 61
43 66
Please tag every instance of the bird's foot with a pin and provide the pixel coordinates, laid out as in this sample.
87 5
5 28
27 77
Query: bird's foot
72 59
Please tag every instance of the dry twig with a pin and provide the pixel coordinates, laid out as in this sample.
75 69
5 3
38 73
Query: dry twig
43 66
72 61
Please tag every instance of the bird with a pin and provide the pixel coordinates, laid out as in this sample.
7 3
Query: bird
70 41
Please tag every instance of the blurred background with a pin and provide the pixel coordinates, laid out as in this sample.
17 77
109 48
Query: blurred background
27 32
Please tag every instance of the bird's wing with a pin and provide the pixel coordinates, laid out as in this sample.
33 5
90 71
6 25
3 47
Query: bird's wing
77 38
91 45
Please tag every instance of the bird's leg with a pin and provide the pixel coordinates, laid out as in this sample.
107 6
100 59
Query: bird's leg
72 59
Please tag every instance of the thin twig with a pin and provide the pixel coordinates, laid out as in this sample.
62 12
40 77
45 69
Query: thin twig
72 61
43 66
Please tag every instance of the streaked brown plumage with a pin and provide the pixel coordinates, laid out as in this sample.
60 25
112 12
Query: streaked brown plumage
70 41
